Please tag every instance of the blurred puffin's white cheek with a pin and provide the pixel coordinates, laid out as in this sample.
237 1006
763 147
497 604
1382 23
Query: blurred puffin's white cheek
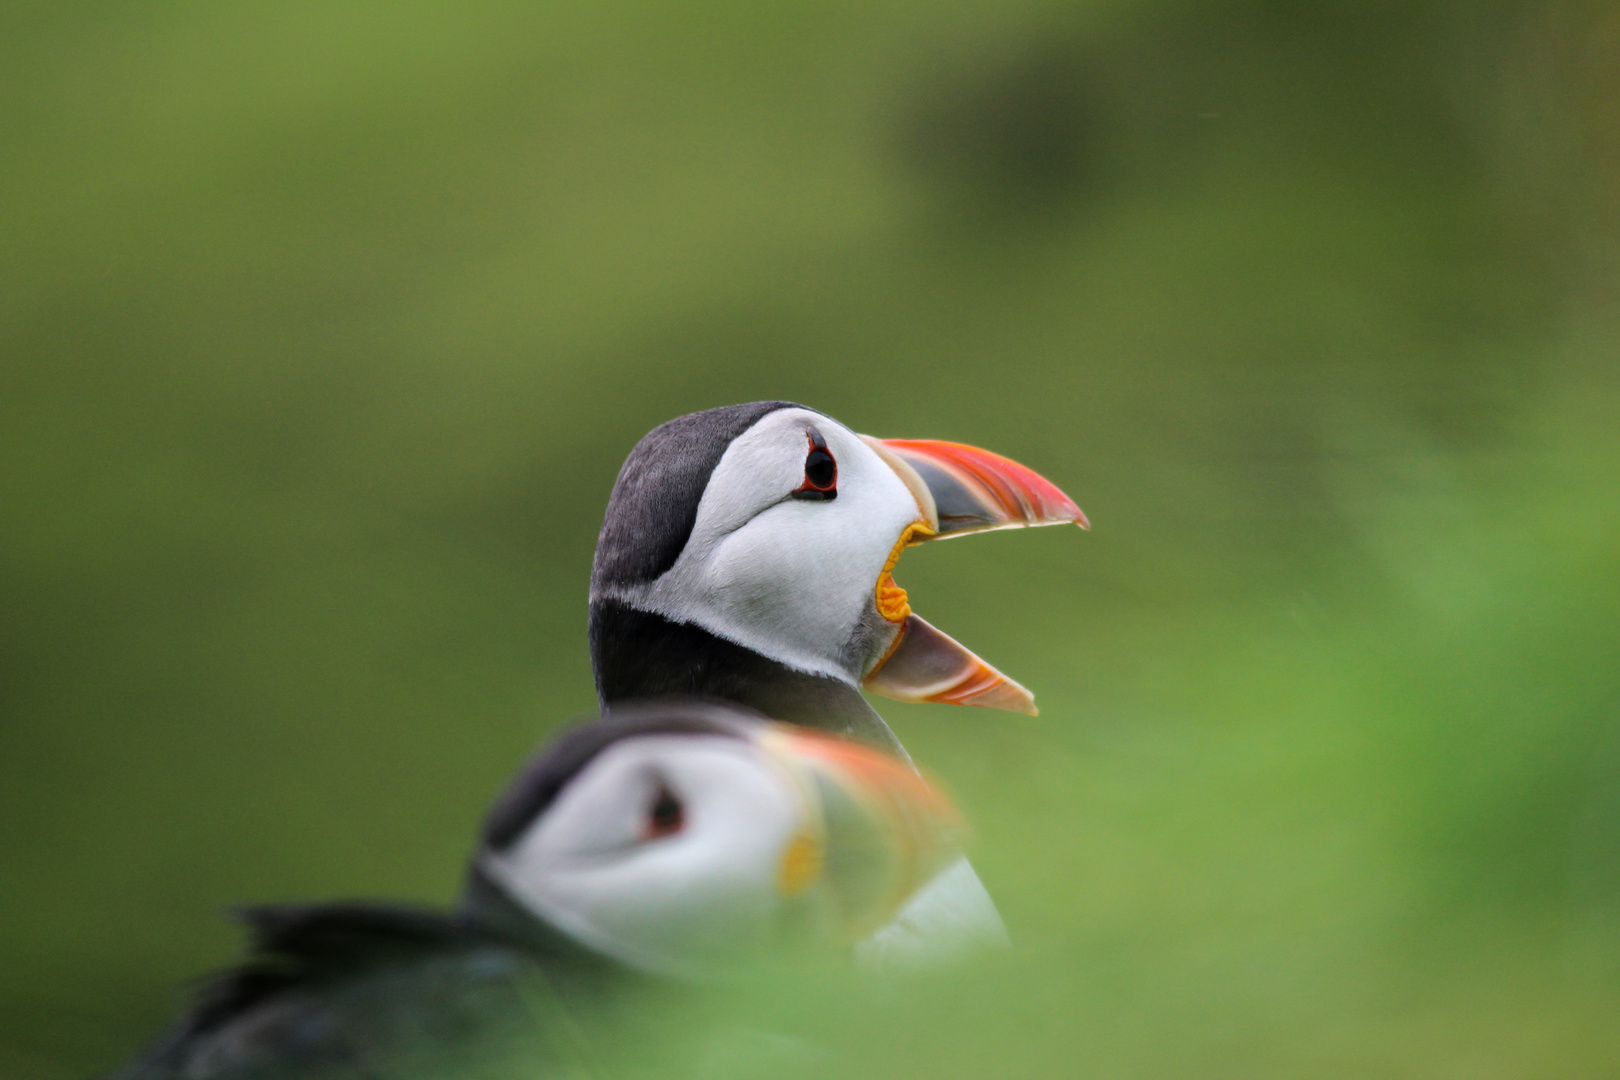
697 899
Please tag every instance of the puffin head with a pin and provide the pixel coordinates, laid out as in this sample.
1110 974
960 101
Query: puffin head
688 837
777 528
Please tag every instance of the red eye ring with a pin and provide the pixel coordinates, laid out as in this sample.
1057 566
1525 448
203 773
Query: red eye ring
665 817
820 471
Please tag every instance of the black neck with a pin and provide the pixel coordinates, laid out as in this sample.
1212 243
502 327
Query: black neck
640 655
486 909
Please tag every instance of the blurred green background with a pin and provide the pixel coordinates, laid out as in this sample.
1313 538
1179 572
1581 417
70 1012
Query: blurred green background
325 326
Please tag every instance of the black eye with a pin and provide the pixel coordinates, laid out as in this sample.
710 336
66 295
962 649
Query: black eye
665 817
820 471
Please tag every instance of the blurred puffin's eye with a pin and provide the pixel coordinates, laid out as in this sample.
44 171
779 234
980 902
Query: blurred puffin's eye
820 471
665 817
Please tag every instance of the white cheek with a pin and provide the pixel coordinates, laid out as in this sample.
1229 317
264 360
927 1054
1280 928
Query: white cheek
700 899
787 578
793 576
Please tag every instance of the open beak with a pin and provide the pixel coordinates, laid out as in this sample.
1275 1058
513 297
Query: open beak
959 489
875 831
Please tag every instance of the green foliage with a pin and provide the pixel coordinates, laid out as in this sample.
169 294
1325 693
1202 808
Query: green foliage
324 329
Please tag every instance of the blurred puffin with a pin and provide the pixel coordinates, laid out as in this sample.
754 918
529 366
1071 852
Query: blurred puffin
662 844
747 554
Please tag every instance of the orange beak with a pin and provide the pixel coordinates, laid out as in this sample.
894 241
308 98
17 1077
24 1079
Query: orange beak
962 489
878 832
959 489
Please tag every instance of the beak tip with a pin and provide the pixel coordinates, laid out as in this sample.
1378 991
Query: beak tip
1072 512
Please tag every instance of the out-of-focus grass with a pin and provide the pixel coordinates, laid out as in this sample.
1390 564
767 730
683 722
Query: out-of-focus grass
323 330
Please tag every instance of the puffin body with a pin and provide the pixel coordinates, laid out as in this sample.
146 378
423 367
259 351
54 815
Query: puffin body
638 855
380 991
747 554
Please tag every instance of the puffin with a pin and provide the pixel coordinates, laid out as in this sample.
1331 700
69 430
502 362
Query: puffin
664 846
747 554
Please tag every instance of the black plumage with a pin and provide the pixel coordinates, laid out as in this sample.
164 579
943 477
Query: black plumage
638 654
363 990
655 498
384 991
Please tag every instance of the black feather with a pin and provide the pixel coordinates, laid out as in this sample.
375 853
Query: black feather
371 990
303 947
637 654
655 499
347 989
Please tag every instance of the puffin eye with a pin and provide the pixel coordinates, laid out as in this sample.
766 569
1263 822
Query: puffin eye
665 817
820 471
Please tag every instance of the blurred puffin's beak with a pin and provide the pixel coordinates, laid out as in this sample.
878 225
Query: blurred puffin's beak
959 489
875 832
